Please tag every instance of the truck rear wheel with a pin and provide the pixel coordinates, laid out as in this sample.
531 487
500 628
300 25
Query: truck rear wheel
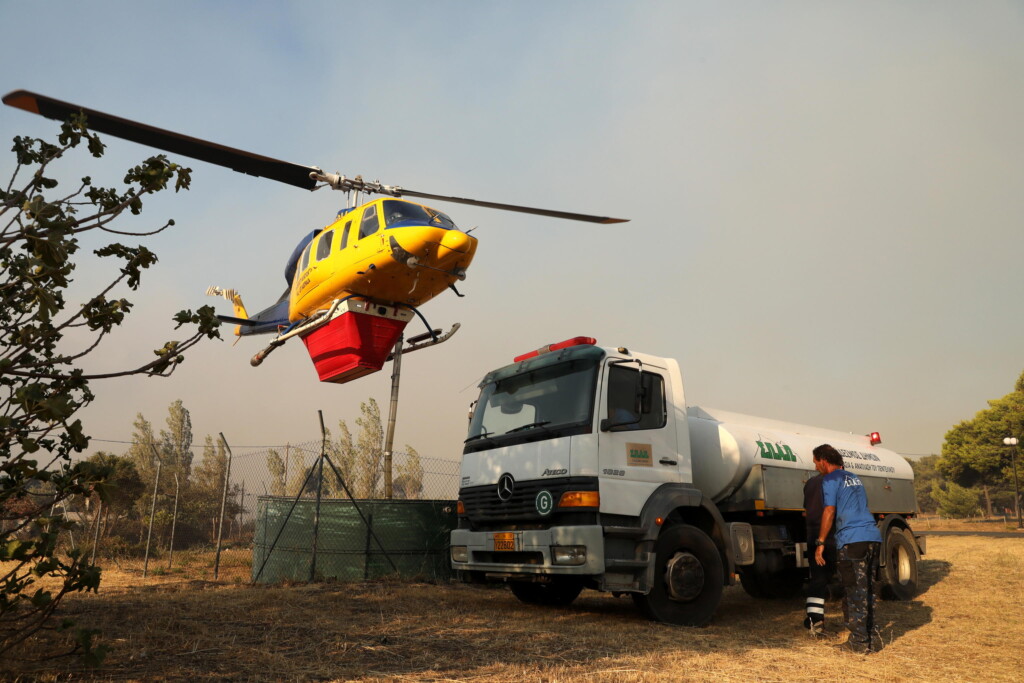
899 575
559 593
688 578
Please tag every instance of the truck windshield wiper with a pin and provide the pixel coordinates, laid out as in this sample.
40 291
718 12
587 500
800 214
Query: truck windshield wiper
478 436
532 425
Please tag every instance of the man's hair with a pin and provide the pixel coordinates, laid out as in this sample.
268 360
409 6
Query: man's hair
828 454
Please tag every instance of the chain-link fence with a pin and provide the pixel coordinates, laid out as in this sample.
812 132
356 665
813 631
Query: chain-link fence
204 515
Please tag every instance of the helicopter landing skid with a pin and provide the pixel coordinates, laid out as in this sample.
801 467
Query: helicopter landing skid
306 327
426 339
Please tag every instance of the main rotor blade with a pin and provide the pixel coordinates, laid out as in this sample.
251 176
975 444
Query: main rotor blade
512 207
169 141
235 159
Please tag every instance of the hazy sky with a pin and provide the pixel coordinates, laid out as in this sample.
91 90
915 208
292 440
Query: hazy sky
826 199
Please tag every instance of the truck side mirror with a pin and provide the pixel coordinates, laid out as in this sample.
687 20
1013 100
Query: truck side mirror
620 418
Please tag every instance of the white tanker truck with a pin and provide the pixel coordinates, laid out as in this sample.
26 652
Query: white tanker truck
585 468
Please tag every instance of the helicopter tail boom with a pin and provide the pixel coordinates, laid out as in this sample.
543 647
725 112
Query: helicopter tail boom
266 321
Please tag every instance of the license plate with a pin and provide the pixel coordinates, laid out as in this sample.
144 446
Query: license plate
506 541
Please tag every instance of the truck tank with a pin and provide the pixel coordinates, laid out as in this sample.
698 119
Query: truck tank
739 457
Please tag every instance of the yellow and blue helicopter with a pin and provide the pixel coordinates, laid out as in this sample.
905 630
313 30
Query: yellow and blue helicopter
377 261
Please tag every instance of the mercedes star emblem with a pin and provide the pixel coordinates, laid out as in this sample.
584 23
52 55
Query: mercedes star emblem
506 485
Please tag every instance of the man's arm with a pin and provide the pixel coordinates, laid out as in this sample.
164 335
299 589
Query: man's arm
828 516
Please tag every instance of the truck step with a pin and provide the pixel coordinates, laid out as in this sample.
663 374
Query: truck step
624 531
628 587
615 565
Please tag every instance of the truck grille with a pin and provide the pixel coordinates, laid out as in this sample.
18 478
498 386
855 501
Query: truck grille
483 505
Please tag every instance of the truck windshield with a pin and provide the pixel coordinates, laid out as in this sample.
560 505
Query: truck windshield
545 402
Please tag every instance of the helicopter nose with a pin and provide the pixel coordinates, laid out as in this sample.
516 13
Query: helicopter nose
456 240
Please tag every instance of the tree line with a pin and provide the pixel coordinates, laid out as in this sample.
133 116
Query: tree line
189 492
974 474
359 460
160 466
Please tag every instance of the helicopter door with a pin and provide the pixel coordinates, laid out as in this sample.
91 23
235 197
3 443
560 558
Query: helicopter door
321 251
370 223
363 248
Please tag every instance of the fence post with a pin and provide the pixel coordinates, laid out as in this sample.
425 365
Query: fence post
319 489
241 510
96 534
366 549
71 534
174 523
223 503
152 513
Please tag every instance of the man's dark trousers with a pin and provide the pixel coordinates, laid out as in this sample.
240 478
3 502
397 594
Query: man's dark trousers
858 567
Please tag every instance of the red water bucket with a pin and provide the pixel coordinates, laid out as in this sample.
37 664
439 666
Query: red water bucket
352 345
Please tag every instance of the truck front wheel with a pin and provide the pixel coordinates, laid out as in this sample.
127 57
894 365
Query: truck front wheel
899 575
559 593
688 578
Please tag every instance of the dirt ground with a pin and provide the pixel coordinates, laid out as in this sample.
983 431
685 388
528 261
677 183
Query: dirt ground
966 625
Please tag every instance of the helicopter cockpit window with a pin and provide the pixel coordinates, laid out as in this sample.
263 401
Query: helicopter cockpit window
370 223
344 235
323 247
404 212
442 219
398 213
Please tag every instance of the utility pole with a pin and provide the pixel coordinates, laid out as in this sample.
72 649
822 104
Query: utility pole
1012 442
389 440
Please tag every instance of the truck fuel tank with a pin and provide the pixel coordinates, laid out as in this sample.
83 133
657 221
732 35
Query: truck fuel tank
726 446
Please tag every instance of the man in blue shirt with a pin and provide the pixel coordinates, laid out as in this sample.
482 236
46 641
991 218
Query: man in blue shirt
857 539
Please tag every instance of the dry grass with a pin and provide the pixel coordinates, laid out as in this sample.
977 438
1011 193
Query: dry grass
968 624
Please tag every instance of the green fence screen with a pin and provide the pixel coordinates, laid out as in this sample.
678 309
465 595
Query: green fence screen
411 541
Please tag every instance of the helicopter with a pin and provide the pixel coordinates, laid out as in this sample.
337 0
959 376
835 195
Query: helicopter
352 286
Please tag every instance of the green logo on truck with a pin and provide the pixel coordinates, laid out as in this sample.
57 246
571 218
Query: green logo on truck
545 503
776 451
639 454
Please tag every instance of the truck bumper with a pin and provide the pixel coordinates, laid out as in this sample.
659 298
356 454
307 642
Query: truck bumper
566 550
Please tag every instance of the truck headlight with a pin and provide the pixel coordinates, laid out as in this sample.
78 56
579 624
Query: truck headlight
569 554
460 553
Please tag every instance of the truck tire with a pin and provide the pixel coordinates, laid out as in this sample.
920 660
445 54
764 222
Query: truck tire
899 575
751 582
559 593
780 585
688 578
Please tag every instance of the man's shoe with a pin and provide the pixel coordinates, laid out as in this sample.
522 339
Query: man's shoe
815 626
855 648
